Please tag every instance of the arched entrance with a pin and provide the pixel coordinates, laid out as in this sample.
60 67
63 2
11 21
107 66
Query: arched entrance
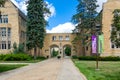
67 50
54 50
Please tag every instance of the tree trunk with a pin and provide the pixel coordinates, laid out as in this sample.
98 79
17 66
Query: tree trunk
35 52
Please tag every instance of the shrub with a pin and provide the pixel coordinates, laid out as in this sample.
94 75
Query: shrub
2 57
93 58
18 49
109 58
74 57
17 57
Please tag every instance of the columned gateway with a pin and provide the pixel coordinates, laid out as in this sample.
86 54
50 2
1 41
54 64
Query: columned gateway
58 41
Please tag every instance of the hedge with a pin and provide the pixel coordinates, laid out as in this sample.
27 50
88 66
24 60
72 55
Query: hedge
93 58
15 57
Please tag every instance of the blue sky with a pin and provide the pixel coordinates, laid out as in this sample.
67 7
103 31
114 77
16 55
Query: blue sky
61 14
64 12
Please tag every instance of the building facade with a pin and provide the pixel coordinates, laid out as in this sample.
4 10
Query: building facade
59 41
110 49
12 27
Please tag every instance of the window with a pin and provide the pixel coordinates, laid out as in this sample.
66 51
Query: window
3 18
67 38
0 19
3 44
3 31
60 38
54 38
117 37
9 32
114 46
9 44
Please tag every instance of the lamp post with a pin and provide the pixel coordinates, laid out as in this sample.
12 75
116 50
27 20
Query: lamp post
96 45
97 54
60 49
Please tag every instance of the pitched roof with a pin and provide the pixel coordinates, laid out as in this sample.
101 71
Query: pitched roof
19 11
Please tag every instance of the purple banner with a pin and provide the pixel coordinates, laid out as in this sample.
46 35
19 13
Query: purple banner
94 44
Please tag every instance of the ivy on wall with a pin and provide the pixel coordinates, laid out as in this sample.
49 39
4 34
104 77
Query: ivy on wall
115 32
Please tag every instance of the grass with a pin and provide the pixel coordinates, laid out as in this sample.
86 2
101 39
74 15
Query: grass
6 67
31 61
109 70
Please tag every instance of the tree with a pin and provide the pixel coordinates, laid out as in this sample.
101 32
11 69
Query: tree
19 48
36 24
2 2
68 51
85 18
115 33
54 53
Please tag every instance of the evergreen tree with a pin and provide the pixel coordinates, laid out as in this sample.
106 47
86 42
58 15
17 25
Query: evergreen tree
85 18
36 24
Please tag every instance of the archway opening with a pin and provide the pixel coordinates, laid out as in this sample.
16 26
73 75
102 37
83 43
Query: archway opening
54 50
67 50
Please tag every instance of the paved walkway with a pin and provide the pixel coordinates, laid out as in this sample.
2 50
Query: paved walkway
51 69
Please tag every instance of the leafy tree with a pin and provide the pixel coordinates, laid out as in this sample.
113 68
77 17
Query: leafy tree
2 2
54 53
36 24
115 33
85 18
19 48
68 51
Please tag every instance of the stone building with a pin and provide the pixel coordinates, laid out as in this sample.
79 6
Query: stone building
12 27
59 41
110 49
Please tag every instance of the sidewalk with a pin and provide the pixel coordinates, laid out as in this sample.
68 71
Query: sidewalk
69 71
51 69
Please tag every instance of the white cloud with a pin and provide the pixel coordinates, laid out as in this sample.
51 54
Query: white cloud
52 10
23 7
62 28
100 3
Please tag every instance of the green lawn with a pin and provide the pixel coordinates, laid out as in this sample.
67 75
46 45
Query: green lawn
6 67
108 70
31 61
